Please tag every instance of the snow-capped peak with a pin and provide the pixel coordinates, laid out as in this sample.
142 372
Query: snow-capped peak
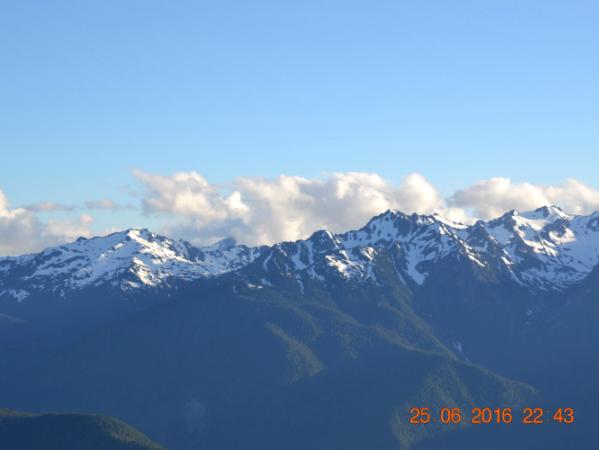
546 248
132 258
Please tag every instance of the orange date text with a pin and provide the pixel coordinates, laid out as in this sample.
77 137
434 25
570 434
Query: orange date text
487 415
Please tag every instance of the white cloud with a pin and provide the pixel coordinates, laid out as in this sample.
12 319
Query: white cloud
59 231
21 230
102 204
490 198
105 204
259 210
263 211
49 207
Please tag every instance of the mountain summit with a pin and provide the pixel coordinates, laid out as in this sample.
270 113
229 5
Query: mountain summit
130 259
545 249
229 347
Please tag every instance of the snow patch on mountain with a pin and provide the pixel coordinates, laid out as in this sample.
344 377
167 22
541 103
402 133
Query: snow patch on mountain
545 249
17 294
128 259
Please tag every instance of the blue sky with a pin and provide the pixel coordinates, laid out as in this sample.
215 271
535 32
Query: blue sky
456 91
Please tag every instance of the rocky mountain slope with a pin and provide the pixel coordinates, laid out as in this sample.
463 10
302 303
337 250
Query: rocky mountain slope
320 343
546 249
131 259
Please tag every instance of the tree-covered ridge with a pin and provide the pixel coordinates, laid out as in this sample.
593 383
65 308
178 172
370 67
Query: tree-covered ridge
69 431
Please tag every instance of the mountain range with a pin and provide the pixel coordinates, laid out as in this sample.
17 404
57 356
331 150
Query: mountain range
320 343
545 249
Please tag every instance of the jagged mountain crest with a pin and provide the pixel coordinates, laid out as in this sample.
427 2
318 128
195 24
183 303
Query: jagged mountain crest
544 249
129 259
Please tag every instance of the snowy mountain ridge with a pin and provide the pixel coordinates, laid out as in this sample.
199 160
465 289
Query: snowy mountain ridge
545 249
128 259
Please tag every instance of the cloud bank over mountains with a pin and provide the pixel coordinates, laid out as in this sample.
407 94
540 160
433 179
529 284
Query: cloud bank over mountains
262 210
259 210
489 198
22 230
